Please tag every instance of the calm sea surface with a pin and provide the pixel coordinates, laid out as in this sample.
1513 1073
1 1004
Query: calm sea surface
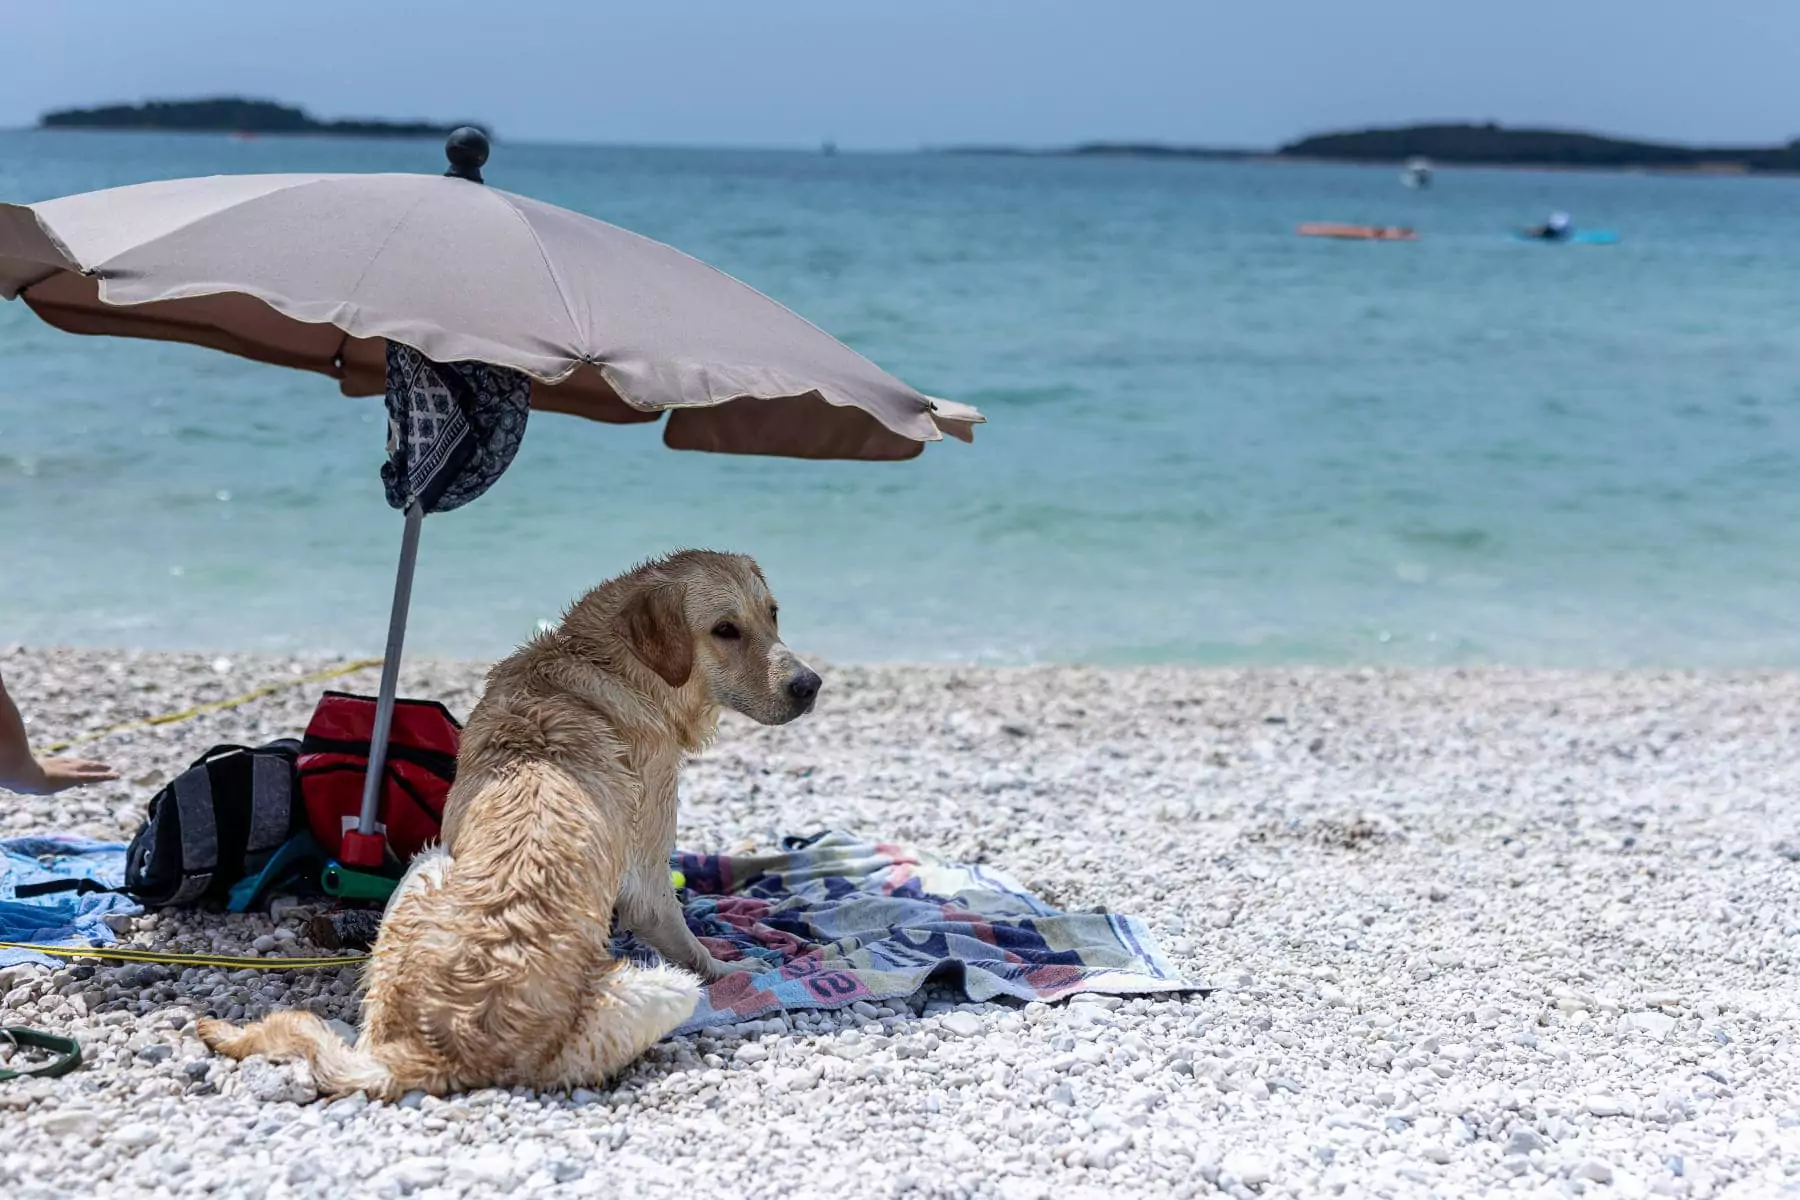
1210 440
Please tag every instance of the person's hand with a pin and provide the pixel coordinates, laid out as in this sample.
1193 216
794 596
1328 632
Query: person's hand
59 774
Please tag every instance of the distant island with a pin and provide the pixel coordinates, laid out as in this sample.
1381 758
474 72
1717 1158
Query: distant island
1493 145
232 114
1487 145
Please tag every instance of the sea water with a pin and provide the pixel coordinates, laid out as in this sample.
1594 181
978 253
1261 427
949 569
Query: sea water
1209 440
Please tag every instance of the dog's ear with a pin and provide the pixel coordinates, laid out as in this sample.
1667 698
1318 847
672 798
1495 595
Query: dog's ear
653 624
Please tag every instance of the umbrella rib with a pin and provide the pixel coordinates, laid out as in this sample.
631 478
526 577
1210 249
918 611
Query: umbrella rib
97 269
382 249
57 244
549 267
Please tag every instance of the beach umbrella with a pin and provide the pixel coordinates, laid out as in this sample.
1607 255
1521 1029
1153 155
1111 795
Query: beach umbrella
467 306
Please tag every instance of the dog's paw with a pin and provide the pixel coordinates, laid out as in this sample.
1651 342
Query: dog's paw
718 968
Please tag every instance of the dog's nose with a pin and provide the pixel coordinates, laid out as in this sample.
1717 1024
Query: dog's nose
804 685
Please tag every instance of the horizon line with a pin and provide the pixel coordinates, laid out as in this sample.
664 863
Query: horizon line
961 147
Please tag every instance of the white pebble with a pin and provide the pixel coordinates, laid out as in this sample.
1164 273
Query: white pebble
1251 1169
68 1122
962 1024
1594 1169
134 1135
1656 1025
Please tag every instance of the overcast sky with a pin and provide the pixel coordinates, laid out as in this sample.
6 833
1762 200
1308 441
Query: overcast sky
933 72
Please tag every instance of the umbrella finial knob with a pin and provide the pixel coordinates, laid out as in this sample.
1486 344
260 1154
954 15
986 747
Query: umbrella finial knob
467 150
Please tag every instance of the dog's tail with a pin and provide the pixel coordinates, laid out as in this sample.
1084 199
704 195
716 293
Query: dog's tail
338 1068
635 1009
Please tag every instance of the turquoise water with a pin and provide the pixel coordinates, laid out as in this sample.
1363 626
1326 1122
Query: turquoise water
1210 440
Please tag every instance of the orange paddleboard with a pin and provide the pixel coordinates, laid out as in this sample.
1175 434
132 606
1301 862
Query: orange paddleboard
1360 233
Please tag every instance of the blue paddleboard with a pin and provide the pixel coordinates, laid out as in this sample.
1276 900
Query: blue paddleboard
1581 237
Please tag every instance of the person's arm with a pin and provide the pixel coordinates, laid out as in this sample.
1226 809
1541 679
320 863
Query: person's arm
21 772
15 752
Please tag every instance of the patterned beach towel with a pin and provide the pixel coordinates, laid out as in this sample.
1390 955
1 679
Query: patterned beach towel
843 920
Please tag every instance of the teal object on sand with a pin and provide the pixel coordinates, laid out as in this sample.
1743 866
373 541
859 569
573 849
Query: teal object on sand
299 856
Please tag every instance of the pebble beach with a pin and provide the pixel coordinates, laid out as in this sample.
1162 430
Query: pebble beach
1482 932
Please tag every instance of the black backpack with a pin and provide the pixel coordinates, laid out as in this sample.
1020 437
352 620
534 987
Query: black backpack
215 823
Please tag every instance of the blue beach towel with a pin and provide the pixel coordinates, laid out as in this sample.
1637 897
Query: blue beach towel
59 918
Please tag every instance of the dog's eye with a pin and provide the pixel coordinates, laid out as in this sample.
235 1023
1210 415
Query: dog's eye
774 613
725 629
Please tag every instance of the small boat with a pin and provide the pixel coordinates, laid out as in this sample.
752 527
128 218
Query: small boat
1359 233
1417 173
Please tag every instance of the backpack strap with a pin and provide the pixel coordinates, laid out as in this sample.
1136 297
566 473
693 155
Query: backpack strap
199 832
219 751
438 762
80 887
271 801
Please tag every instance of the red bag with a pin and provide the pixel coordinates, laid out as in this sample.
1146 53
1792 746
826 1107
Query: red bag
421 764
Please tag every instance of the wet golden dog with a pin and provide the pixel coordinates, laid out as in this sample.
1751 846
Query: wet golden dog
492 967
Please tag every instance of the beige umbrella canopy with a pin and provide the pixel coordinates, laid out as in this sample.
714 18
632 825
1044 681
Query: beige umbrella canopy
317 271
321 272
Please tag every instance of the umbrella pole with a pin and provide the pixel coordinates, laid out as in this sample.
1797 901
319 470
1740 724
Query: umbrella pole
363 847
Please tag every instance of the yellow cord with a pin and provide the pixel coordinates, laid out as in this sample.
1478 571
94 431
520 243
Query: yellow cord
215 705
116 954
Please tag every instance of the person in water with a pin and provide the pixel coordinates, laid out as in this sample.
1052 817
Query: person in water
21 771
1553 230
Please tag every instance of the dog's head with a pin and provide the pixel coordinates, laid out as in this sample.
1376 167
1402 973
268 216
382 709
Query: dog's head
706 619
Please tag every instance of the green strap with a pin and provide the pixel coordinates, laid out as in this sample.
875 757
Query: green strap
67 1050
347 884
